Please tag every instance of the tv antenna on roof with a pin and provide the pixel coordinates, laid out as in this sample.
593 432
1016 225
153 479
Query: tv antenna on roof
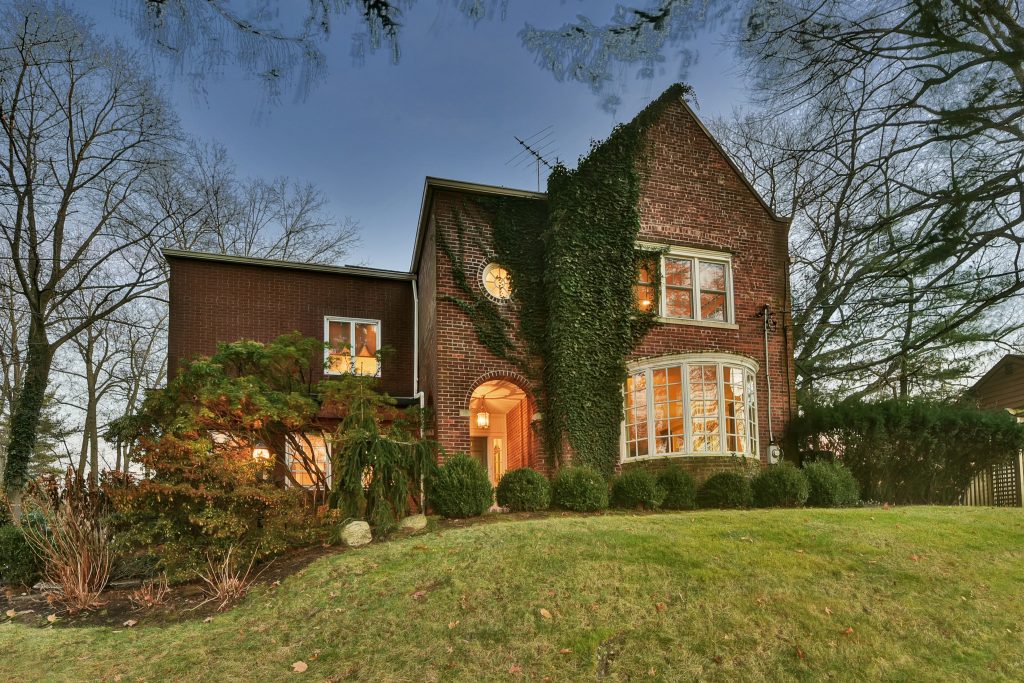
535 149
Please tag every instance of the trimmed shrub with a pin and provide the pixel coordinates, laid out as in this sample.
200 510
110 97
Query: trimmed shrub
780 486
680 489
908 450
18 564
580 489
524 490
725 490
637 489
461 488
831 485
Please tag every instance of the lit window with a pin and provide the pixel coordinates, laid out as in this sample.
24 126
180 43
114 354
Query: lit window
643 288
694 286
691 405
311 463
352 346
497 281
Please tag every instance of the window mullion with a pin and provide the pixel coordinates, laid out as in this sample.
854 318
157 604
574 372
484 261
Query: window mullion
687 418
662 300
698 314
722 437
649 389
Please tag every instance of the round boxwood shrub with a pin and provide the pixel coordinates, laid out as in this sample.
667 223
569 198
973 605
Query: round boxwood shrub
579 489
831 485
524 490
461 488
725 490
680 489
780 486
18 564
637 489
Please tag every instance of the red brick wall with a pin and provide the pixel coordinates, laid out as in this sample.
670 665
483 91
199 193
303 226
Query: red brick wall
692 197
212 301
462 362
426 281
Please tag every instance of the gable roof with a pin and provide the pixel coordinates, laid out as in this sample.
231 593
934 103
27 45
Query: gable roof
1010 358
673 93
432 184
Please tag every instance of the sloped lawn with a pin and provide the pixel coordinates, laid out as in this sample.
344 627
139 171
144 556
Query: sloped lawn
902 594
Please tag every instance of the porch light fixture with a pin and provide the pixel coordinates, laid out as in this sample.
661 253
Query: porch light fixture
483 418
260 452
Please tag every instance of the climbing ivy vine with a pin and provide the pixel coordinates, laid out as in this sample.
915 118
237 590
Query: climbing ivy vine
573 261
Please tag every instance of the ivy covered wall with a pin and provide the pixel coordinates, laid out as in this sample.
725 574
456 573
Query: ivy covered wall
573 262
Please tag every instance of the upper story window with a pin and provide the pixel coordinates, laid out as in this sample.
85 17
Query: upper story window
353 345
695 286
690 405
497 281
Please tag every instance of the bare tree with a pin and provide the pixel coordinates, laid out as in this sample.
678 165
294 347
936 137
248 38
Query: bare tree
82 132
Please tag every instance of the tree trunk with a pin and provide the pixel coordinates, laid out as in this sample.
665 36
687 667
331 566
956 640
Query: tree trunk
27 410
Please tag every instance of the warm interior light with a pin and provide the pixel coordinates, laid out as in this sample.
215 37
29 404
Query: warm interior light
261 453
483 419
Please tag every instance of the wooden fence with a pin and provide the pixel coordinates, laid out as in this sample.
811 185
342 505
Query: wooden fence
1001 486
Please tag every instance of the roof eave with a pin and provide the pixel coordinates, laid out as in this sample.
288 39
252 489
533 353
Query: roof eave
356 271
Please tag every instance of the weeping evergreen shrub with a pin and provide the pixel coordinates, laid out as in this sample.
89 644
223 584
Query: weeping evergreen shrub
461 488
680 489
377 471
524 490
831 485
908 451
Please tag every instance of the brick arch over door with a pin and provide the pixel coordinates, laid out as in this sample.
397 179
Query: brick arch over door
523 432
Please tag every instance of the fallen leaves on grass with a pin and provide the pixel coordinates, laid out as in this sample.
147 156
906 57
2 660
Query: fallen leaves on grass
12 613
848 631
661 607
130 623
299 666
565 651
828 611
800 653
419 595
51 618
514 669
544 613
453 624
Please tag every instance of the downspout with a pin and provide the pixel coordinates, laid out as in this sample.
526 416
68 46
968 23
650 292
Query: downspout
770 325
416 377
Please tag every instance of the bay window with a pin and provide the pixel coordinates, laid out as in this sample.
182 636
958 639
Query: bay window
353 345
691 405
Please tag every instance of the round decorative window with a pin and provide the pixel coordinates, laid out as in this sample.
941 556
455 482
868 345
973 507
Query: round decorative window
497 281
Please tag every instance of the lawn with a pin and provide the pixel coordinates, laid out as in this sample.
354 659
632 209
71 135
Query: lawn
902 594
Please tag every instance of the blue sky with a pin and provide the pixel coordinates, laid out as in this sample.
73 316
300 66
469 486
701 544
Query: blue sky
368 135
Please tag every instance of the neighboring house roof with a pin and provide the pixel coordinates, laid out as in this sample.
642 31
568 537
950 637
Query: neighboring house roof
1003 385
358 271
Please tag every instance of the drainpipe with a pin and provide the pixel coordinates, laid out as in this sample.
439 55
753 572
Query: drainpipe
416 377
770 325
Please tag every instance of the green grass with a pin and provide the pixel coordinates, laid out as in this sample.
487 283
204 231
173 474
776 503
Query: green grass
760 595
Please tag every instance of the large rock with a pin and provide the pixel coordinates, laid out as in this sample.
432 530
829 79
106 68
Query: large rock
356 534
413 523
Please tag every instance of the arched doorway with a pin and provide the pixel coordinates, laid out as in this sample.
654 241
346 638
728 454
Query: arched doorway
499 427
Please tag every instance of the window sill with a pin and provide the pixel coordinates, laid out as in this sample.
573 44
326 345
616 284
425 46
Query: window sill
705 454
697 323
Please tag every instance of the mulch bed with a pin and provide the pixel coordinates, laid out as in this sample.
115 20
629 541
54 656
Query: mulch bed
185 602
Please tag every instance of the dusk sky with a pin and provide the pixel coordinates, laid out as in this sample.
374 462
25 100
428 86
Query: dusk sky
368 135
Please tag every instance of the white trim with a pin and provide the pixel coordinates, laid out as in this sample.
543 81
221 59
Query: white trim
684 360
328 319
696 256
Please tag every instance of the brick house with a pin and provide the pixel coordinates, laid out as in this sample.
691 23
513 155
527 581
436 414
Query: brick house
710 386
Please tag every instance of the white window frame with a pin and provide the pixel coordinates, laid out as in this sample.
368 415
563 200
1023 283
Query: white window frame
352 322
722 360
696 256
289 451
